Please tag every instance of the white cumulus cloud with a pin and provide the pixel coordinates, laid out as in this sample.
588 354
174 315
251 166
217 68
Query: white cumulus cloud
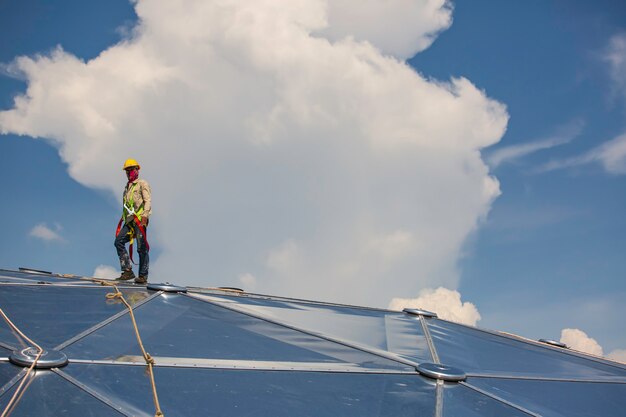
579 340
398 27
48 234
279 139
446 303
106 272
618 355
248 281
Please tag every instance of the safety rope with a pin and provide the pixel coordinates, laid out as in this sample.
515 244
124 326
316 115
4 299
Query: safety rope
18 392
146 356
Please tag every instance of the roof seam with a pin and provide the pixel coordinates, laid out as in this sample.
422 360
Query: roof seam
429 340
6 387
500 399
617 380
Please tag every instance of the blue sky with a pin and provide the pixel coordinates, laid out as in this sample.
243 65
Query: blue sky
554 240
548 256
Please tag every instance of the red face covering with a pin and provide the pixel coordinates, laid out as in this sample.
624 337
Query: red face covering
132 175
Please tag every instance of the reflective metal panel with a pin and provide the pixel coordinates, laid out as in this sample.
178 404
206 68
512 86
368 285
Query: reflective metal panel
480 352
7 371
18 276
460 401
385 330
50 314
50 395
559 399
202 392
174 325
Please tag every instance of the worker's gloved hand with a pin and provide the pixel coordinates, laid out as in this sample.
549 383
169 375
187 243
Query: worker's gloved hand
144 222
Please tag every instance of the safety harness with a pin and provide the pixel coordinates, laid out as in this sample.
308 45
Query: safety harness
129 210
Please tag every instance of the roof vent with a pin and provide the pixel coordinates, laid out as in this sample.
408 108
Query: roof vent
553 343
49 358
439 371
420 312
167 287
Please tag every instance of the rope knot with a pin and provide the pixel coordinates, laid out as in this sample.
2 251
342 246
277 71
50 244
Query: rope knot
113 295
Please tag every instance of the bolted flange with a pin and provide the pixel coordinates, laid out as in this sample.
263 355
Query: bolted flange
553 343
439 371
420 312
49 358
167 287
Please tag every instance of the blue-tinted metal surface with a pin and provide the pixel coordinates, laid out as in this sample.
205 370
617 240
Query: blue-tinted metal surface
480 352
51 314
559 399
385 330
7 371
174 325
257 356
460 401
201 392
30 277
50 395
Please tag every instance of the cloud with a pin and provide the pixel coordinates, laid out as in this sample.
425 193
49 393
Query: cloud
106 272
248 281
319 164
446 303
415 26
618 355
563 135
615 56
47 234
611 155
578 340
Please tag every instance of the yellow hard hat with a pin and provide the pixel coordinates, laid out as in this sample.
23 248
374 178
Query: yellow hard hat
130 163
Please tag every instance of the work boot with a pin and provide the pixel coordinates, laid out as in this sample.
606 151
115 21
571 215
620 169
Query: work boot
141 280
126 275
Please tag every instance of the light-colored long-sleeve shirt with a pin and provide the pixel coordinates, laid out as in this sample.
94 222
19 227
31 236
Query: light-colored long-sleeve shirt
141 194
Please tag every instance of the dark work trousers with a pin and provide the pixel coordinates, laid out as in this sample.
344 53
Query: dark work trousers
140 241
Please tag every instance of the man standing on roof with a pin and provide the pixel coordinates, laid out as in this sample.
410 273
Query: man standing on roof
136 210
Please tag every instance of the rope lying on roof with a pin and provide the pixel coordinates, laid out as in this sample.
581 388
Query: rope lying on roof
17 395
149 360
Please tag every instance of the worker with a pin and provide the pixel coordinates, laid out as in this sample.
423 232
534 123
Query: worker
136 210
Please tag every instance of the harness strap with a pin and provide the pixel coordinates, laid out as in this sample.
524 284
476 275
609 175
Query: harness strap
131 232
